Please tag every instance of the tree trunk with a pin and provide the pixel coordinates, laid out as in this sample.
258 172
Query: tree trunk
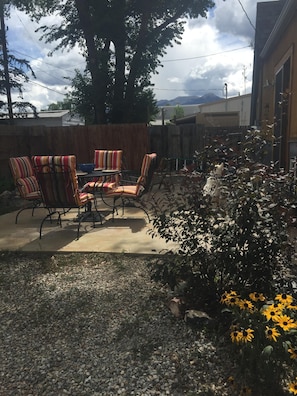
97 66
5 63
119 40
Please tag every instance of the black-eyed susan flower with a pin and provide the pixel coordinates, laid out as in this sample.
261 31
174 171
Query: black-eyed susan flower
284 298
278 305
257 297
293 353
271 313
230 298
236 336
224 298
246 305
272 333
292 306
293 387
247 335
285 322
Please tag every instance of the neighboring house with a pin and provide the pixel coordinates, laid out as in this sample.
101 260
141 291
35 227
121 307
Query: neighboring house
47 118
274 97
231 112
168 112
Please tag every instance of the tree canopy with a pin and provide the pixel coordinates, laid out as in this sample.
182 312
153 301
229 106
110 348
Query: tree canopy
12 74
123 41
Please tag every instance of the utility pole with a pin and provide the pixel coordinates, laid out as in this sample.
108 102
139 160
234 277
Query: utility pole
5 61
244 78
226 96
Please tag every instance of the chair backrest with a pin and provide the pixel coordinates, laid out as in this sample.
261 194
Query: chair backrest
146 174
57 179
24 178
109 159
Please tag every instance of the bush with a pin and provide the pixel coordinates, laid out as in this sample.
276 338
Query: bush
233 239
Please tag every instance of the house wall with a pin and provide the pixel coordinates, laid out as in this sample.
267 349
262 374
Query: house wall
240 104
287 43
49 122
270 112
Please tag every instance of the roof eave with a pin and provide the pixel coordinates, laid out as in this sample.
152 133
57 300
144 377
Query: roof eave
285 16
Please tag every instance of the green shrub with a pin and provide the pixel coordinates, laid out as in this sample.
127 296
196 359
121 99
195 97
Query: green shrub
236 240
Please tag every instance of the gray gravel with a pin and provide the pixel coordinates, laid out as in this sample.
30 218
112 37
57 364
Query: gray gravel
96 325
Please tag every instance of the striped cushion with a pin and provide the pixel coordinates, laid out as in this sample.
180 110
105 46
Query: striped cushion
108 159
24 178
94 186
58 181
138 188
21 167
105 159
29 188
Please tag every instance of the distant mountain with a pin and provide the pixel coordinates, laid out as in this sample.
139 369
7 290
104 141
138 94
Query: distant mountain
189 100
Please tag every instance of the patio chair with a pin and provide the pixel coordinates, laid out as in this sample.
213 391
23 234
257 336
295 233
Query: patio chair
57 179
25 181
132 193
105 160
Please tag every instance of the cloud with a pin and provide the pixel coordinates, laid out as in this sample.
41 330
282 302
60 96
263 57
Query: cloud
214 51
222 46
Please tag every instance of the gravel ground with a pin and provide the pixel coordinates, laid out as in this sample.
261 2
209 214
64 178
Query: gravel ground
94 324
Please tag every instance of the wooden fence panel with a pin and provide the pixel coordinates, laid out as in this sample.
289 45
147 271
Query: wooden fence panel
170 141
78 140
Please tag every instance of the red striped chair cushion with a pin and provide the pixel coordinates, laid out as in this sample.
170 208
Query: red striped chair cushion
58 180
24 177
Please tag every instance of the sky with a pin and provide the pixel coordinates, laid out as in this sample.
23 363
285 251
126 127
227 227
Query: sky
215 56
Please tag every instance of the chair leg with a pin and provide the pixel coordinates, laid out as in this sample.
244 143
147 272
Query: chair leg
33 207
46 217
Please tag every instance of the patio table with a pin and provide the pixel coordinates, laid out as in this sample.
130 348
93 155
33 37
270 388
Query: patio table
83 177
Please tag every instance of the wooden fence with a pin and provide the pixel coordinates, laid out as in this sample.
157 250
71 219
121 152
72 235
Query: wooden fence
135 140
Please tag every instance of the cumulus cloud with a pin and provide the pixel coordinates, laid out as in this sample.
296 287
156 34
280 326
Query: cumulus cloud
214 51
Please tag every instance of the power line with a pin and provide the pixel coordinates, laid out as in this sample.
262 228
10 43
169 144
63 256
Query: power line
251 23
206 56
43 86
46 63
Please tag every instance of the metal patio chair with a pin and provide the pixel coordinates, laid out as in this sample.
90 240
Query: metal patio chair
25 181
57 179
131 194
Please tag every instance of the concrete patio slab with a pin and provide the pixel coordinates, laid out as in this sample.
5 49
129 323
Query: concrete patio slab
126 234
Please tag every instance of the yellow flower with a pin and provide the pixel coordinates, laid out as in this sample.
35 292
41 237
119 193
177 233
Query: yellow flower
271 313
247 335
284 298
246 305
293 387
236 336
293 353
230 298
285 322
271 333
292 306
257 297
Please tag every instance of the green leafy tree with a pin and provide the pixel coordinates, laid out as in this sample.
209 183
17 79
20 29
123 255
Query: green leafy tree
179 112
12 73
123 42
60 105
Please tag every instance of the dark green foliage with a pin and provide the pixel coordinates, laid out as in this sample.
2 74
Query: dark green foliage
235 240
123 42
